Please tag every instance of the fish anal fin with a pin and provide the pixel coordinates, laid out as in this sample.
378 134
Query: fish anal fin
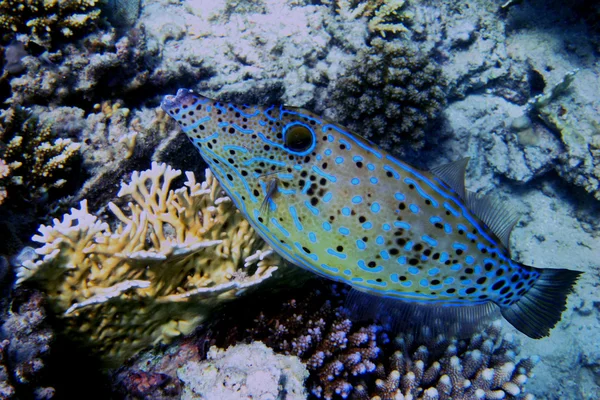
541 307
499 219
453 175
422 319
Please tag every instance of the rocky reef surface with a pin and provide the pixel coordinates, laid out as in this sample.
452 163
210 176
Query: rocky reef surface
512 84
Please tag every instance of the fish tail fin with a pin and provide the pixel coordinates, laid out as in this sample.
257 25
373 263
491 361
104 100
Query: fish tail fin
541 307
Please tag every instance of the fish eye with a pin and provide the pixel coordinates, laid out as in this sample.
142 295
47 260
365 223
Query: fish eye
298 138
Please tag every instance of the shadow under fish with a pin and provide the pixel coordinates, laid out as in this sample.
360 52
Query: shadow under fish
418 249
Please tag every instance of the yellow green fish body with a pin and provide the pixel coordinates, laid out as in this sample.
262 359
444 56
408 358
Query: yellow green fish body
333 203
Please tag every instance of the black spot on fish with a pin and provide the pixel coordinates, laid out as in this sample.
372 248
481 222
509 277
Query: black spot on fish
481 280
451 290
470 290
498 285
372 264
340 248
413 261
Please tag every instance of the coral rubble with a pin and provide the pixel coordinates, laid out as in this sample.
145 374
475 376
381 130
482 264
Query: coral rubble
392 95
33 159
46 21
174 255
244 371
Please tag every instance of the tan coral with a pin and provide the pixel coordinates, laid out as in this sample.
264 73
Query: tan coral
174 256
381 13
46 20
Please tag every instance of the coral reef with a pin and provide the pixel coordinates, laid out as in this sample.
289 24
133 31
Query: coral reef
103 65
174 256
393 93
45 22
244 371
347 359
33 160
25 340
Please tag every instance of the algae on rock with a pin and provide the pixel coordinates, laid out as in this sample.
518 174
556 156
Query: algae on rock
174 256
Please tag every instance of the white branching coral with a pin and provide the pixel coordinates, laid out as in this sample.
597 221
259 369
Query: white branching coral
173 256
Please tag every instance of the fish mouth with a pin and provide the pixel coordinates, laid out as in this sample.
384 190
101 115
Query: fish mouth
183 98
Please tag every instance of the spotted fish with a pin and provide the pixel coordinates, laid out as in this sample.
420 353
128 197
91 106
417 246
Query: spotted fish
336 204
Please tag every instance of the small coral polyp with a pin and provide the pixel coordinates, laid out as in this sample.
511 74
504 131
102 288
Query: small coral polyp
173 257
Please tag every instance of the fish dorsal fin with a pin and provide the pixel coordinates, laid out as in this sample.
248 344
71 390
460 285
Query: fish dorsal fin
453 175
500 219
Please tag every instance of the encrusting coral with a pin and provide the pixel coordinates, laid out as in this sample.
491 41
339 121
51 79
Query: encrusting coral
172 258
32 158
244 371
45 21
393 93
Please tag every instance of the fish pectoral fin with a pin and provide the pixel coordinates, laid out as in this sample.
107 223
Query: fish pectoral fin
453 175
423 319
500 219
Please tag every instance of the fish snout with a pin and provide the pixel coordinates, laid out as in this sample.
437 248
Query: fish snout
183 98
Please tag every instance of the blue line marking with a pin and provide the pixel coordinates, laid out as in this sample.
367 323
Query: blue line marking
374 282
346 211
326 226
390 169
344 231
448 228
208 138
312 256
413 270
355 181
341 256
355 140
469 260
444 257
278 226
386 227
339 160
424 283
394 278
330 269
241 149
435 220
254 114
357 199
375 207
407 283
345 143
307 184
399 196
323 174
370 167
401 260
327 197
327 152
380 240
361 245
421 191
357 158
347 272
449 280
408 246
312 209
414 208
361 264
294 215
433 271
265 160
384 254
459 246
456 267
402 225
244 131
312 237
195 124
373 180
430 241
367 225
